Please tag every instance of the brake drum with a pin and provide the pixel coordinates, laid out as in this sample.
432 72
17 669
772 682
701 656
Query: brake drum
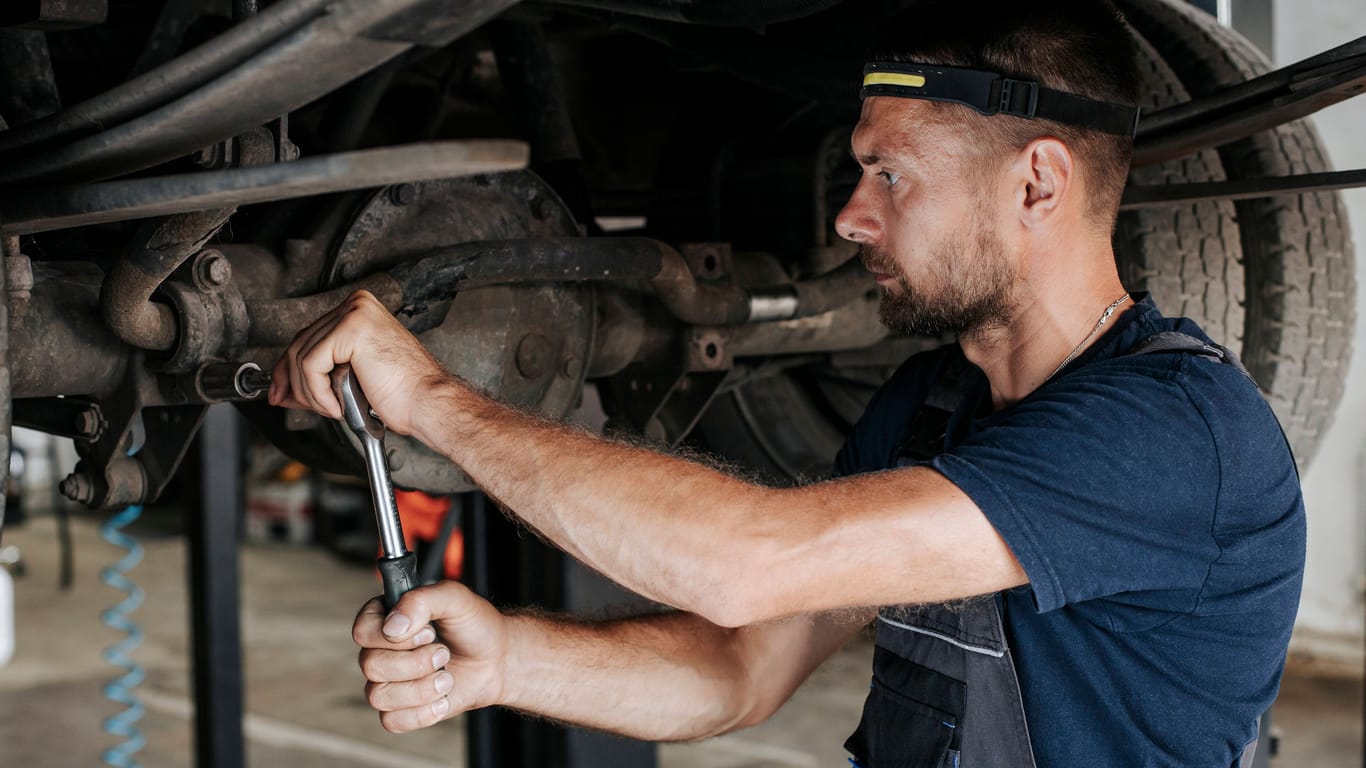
525 344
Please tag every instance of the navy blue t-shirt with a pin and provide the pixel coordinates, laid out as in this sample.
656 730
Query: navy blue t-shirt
1155 506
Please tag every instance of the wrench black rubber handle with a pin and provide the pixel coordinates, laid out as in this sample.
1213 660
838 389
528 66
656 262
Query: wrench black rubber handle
400 576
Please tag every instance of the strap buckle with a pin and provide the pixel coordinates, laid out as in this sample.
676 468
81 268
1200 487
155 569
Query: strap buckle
1018 97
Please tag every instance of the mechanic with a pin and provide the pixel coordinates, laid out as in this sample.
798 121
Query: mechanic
1081 523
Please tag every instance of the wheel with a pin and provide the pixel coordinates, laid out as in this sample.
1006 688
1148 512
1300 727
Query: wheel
1298 264
1189 257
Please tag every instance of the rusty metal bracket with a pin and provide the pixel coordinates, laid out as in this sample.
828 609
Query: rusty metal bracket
133 456
664 400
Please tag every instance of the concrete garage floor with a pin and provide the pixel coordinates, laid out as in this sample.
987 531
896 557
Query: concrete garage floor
303 691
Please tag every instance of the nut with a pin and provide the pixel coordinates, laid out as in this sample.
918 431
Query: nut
87 424
212 269
78 488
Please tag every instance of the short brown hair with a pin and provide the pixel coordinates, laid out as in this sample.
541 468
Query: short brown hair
1083 47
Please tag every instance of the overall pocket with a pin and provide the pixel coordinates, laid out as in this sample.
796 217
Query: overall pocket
911 718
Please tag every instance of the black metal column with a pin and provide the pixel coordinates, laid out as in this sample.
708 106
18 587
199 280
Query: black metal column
510 566
215 631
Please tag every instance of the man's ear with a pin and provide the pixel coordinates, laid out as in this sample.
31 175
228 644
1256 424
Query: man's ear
1046 174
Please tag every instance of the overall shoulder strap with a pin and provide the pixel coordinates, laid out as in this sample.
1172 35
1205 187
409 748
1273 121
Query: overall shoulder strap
1175 341
930 424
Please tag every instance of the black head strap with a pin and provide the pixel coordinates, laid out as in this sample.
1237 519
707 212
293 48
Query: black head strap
991 94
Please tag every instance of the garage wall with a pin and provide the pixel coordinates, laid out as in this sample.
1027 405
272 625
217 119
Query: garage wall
1331 612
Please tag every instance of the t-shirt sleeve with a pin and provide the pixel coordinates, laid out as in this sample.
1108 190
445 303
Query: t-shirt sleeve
1104 484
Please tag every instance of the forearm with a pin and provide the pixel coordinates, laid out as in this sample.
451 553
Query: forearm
702 541
671 677
599 500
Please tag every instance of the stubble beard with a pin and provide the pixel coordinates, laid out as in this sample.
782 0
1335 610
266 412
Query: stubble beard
954 300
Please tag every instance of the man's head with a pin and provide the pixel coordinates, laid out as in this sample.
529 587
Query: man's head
947 189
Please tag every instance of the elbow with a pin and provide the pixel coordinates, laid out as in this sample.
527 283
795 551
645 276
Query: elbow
727 611
742 592
748 576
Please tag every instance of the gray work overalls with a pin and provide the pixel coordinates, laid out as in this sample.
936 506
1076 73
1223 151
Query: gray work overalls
944 691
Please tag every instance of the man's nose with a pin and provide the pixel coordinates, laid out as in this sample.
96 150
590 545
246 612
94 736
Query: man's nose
855 221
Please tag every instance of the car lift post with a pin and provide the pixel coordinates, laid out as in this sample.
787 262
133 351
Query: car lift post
215 627
510 567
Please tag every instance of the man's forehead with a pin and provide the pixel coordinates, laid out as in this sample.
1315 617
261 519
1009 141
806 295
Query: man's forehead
891 127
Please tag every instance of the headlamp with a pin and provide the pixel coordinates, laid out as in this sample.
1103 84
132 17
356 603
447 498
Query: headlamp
991 94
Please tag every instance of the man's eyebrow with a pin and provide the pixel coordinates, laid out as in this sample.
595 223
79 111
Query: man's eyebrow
869 159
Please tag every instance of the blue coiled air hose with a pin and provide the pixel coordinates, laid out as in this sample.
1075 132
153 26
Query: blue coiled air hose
120 689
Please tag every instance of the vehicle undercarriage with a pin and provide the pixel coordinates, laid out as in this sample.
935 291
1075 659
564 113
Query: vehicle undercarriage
636 195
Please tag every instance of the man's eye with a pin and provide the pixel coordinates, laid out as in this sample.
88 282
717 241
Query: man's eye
892 178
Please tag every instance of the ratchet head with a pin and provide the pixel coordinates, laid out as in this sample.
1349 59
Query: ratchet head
355 407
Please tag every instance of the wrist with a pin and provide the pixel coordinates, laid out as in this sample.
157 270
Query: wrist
519 631
446 410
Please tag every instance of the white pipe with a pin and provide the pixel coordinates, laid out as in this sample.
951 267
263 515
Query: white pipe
6 616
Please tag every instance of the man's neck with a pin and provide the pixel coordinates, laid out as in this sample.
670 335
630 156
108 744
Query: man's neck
1046 328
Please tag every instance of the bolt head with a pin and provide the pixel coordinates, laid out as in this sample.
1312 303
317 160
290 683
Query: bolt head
402 194
218 271
78 488
535 356
213 269
87 424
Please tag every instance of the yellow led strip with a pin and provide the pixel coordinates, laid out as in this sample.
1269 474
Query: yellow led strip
894 78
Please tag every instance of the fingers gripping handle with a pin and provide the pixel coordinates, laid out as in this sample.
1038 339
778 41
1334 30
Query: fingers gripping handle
356 412
397 566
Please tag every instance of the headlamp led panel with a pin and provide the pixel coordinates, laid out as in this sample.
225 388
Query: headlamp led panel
990 94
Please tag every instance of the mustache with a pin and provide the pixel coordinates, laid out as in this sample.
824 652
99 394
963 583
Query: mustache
876 259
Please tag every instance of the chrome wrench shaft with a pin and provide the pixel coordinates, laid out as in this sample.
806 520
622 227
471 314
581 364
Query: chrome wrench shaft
397 566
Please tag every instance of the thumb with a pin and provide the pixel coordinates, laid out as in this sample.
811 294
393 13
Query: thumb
449 605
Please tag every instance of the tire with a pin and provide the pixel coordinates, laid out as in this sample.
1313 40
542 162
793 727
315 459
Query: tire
1189 257
1299 270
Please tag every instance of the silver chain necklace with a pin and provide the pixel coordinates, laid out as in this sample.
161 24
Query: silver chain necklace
1104 318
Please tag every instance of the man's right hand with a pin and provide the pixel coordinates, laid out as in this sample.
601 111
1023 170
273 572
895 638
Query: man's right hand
418 677
391 365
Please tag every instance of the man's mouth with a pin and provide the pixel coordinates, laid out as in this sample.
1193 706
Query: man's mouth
873 261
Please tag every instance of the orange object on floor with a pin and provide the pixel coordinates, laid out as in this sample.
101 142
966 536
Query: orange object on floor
422 515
